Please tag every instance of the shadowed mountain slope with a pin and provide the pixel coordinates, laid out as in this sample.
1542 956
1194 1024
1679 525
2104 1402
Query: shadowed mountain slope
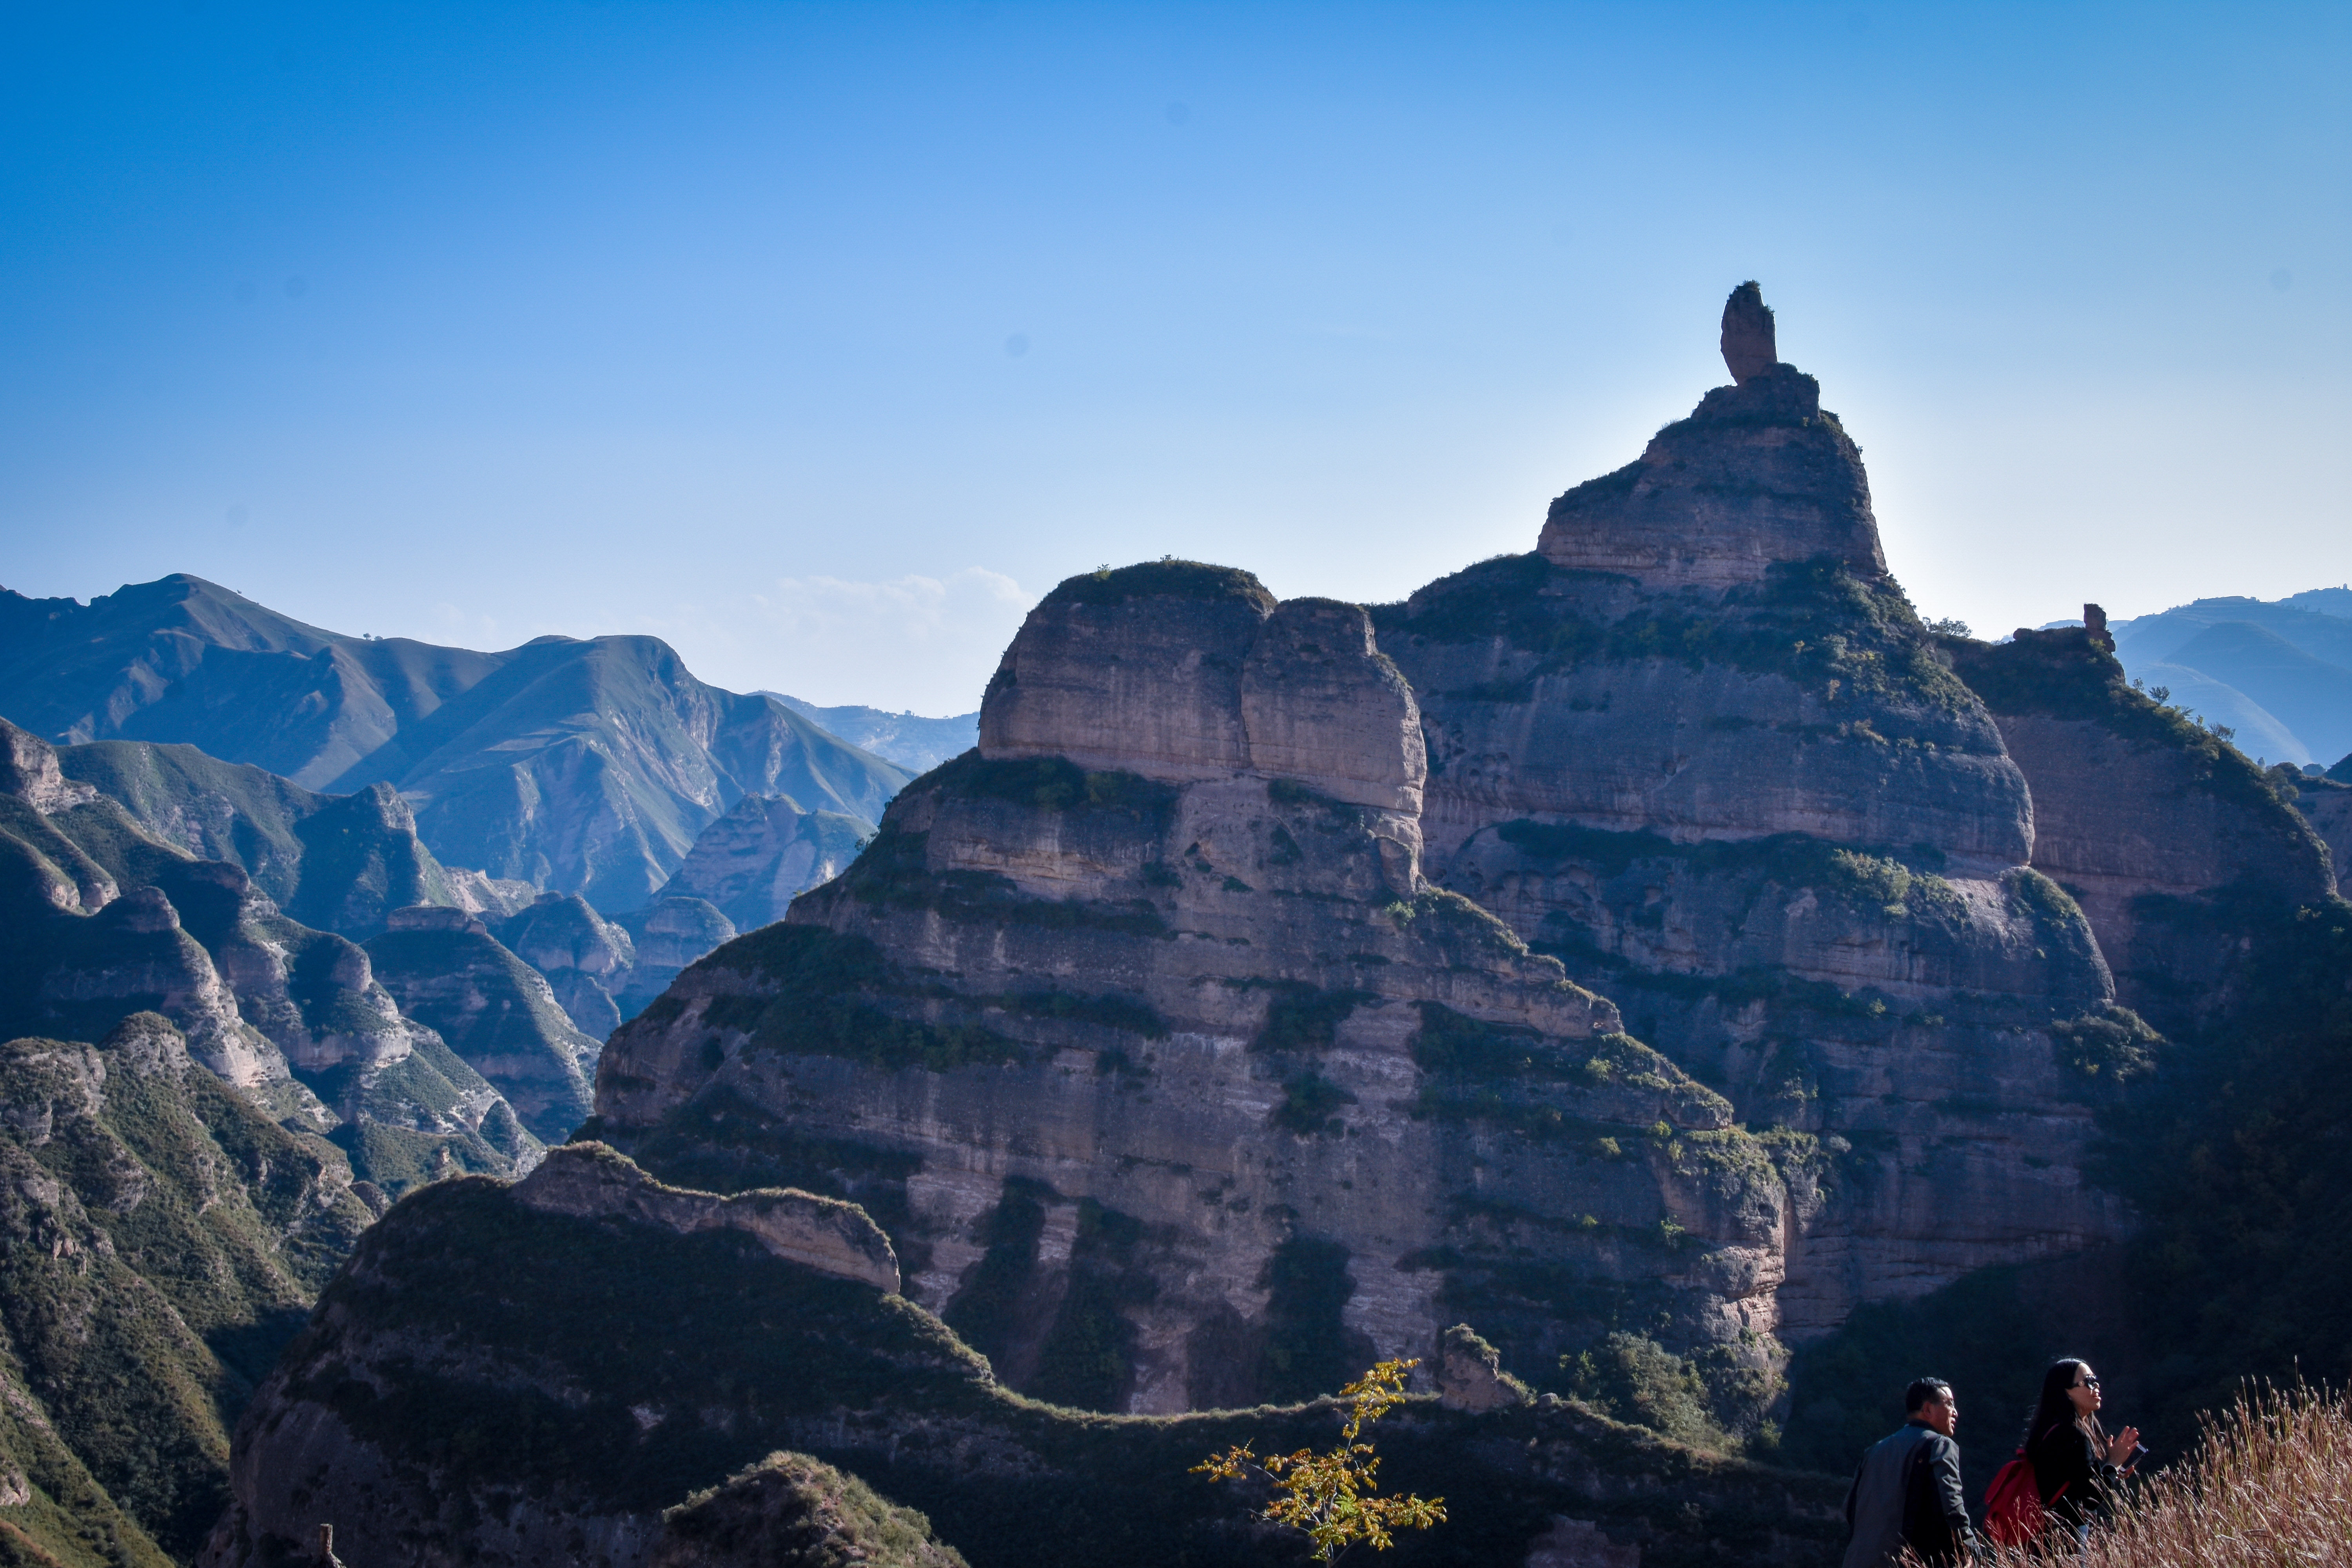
341 863
605 1363
105 919
583 766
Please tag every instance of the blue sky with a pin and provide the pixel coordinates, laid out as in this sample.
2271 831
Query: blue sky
820 340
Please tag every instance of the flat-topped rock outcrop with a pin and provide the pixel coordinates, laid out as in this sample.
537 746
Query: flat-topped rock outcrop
1187 1062
1179 671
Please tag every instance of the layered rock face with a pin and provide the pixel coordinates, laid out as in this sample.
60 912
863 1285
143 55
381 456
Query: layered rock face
587 959
1699 748
590 1180
446 972
669 934
2169 836
2326 804
1175 1085
766 851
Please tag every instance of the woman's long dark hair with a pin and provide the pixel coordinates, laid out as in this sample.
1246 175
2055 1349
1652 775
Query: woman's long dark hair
2054 1408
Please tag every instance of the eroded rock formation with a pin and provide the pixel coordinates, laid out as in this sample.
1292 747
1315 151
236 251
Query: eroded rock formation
110 920
1186 1059
497 1013
1699 747
1757 476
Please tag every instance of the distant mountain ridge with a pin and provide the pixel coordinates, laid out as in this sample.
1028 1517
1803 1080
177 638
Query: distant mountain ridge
2278 672
909 740
583 766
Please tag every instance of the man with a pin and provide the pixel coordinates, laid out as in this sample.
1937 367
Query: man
1908 1492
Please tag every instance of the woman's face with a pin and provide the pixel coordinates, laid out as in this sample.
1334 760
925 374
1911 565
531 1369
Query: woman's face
2085 1392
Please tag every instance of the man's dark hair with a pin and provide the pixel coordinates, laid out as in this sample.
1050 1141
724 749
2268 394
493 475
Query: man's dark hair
1923 1390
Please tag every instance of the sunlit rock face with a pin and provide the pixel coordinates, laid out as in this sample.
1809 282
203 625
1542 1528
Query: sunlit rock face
1175 1083
1699 747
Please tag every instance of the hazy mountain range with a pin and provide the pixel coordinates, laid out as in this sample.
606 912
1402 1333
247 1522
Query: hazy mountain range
583 767
909 740
2278 672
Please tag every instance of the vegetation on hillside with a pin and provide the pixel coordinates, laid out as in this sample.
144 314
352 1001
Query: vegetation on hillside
790 1510
159 1240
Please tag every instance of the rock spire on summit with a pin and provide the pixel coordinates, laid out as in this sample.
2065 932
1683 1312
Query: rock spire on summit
1749 347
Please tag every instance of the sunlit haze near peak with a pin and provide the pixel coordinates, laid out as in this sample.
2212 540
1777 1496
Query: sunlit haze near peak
821 340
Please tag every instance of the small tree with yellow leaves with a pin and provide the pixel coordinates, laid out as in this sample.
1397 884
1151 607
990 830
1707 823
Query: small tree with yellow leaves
1334 1497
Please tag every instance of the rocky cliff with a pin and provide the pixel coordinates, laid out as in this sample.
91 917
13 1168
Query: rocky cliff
1179 1017
495 1380
1175 1083
2327 803
160 1240
497 1013
586 767
2171 839
587 959
666 935
766 851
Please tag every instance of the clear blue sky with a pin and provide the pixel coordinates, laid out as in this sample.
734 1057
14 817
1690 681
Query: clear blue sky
822 339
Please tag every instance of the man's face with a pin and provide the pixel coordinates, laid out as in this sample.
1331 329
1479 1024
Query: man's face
1943 1414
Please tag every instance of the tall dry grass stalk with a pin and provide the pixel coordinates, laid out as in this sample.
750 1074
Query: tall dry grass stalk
2269 1485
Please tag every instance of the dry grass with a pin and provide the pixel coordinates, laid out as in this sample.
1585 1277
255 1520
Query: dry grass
2269 1485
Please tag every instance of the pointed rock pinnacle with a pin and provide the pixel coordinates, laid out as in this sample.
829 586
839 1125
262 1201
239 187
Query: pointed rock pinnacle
1748 340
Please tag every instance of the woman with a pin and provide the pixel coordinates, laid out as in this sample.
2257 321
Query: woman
2076 1463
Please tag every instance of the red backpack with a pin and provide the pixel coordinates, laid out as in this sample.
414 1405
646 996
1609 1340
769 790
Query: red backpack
2013 1513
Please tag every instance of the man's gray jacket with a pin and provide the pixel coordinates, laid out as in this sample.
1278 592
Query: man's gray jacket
1907 1493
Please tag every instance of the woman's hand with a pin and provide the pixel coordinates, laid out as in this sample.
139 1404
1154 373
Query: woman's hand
2124 1447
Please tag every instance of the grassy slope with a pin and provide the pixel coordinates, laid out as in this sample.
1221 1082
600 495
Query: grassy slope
246 815
162 1239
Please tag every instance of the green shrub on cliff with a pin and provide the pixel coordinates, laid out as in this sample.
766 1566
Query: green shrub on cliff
1636 1380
